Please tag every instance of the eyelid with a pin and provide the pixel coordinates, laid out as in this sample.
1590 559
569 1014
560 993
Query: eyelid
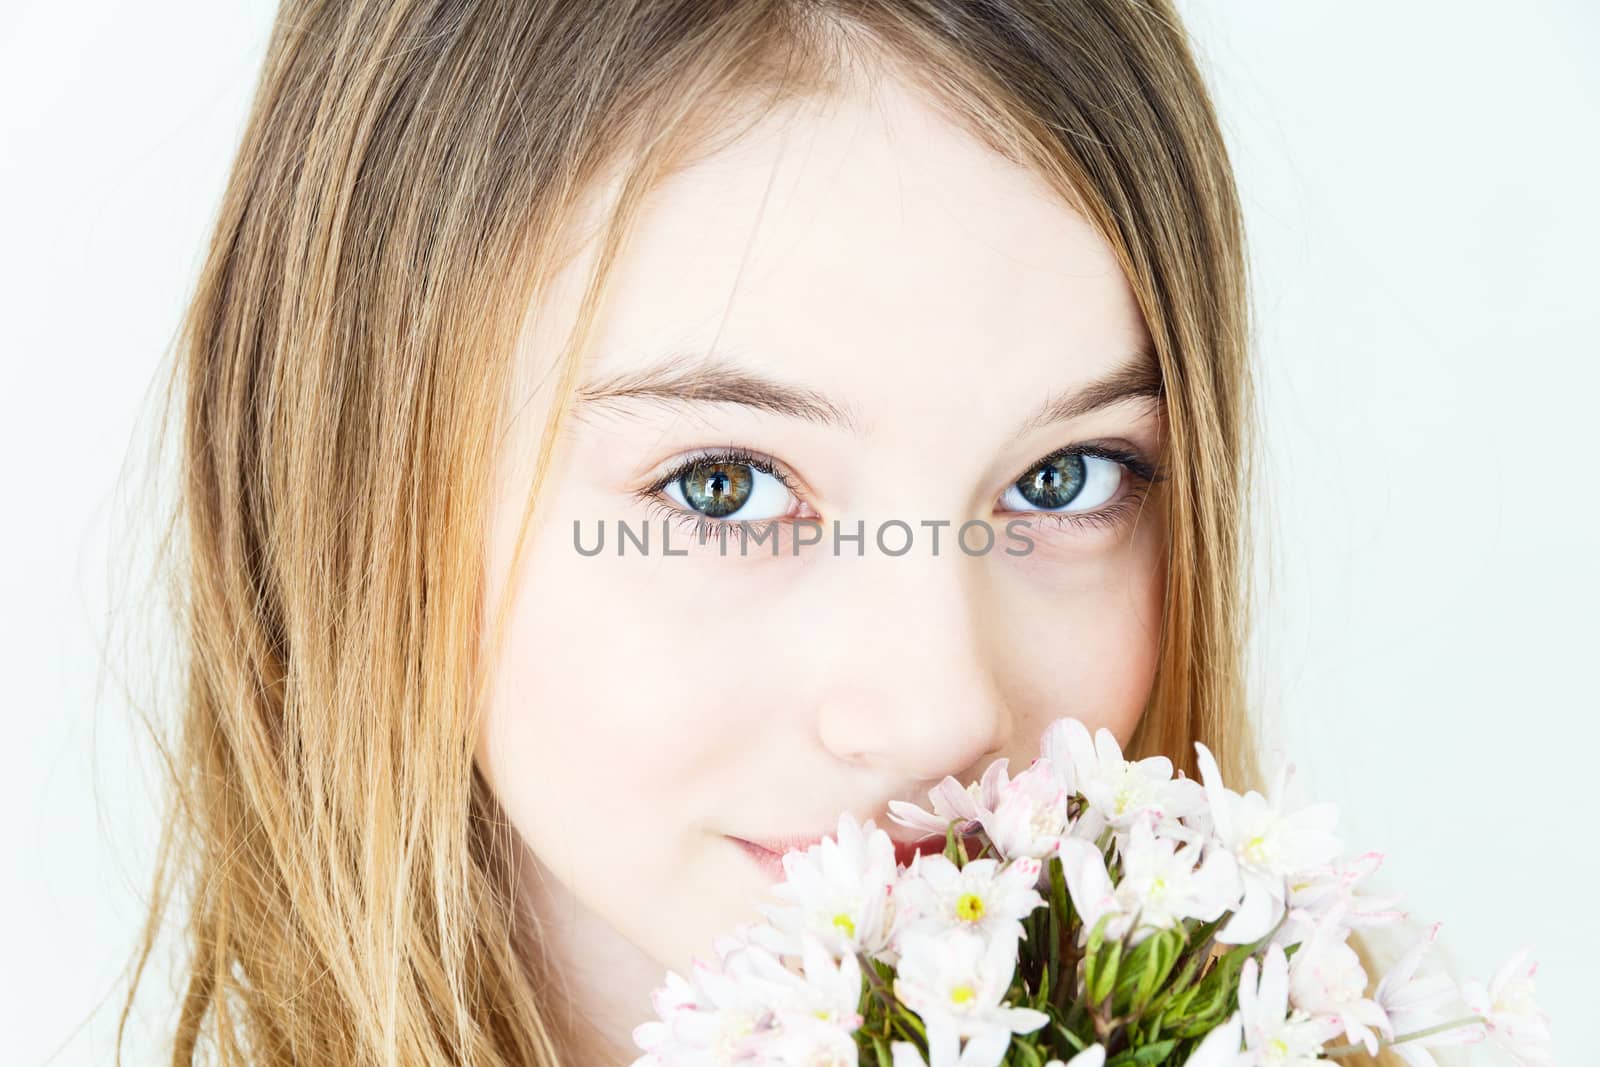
724 454
1131 459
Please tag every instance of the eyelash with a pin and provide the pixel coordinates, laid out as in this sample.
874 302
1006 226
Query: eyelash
1145 474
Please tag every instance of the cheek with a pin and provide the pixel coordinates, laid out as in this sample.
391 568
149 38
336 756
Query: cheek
1087 632
619 705
594 707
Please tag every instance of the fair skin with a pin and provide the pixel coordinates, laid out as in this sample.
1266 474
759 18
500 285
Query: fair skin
647 710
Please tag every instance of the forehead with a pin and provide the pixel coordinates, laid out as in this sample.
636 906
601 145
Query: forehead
866 247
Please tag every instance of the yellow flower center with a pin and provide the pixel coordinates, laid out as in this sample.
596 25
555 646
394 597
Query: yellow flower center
1255 849
961 994
845 923
970 907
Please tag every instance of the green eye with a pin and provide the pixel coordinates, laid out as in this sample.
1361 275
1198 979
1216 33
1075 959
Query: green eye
716 489
1054 484
1066 482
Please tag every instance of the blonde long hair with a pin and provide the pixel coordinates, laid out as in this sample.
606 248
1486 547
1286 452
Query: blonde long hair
402 189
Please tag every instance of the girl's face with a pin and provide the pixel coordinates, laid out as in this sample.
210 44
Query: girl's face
887 322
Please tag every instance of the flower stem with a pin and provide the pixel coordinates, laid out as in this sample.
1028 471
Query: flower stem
1345 1050
875 981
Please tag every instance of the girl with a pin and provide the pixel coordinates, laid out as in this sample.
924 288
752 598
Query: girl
495 284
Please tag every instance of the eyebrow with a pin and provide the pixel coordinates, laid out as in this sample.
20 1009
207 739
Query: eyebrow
685 378
1137 378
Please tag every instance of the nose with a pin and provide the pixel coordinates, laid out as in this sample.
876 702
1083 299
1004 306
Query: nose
911 685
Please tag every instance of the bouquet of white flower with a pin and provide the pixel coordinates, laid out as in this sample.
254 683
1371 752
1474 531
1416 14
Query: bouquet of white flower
1113 915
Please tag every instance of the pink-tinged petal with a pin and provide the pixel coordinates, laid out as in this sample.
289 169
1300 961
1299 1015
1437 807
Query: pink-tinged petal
1406 965
993 780
1476 996
1361 866
951 799
1511 968
904 813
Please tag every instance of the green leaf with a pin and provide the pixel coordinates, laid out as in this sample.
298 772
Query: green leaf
1094 960
881 1047
1146 967
955 849
1145 1056
1105 957
1078 1044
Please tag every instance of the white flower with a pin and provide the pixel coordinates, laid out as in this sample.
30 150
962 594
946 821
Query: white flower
1030 815
934 894
954 802
956 982
655 1036
1119 789
825 988
1315 892
756 1006
1507 1006
711 1021
1272 1032
837 890
1160 883
1415 1004
806 1042
1270 845
1326 980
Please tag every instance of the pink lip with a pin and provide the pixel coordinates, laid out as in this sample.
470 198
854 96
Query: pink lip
768 853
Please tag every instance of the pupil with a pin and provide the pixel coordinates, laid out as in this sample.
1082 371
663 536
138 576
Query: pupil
1054 484
717 489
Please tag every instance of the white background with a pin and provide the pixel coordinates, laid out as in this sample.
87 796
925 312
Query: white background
1419 182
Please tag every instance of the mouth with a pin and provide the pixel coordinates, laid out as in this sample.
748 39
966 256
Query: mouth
768 853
